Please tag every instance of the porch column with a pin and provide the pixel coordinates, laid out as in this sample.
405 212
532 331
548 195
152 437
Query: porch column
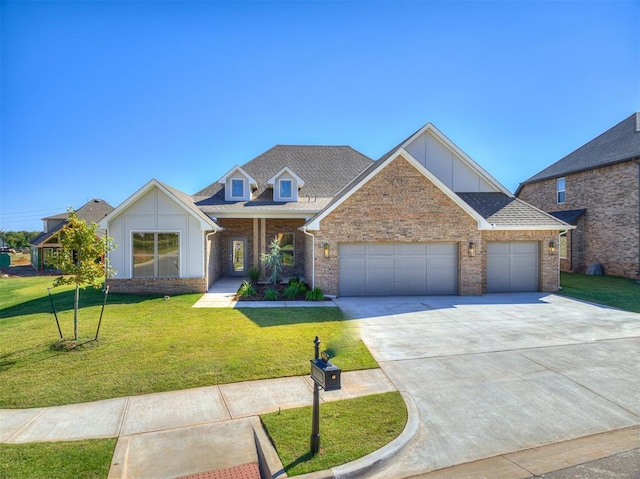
263 241
256 257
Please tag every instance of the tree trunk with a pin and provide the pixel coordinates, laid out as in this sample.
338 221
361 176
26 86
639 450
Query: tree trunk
75 312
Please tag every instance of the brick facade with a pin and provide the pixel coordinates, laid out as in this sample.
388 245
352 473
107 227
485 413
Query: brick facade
162 286
402 205
609 231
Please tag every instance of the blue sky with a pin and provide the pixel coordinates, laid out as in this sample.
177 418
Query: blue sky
98 97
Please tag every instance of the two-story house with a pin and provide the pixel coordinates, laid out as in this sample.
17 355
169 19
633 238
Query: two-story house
596 188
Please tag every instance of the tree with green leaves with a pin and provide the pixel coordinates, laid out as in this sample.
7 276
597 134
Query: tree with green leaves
273 261
82 258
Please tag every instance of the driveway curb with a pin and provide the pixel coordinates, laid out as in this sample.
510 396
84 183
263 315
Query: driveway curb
377 459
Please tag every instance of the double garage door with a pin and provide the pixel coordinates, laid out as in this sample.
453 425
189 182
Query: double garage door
398 269
381 269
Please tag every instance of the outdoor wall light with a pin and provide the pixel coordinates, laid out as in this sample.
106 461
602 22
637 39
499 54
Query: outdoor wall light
325 248
552 248
471 251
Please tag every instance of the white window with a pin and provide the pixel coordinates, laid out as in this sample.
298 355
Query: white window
237 188
286 189
560 188
156 255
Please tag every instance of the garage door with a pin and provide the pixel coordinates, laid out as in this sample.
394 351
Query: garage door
398 269
512 267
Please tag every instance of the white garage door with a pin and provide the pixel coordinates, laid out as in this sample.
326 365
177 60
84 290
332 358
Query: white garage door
512 267
397 269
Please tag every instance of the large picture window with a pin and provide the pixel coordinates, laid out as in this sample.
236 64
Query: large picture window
156 255
287 248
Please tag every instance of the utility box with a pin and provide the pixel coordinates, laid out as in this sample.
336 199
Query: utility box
325 374
5 260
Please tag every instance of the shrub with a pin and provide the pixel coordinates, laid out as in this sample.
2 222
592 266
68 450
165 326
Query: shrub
254 274
273 261
271 294
290 292
316 294
246 290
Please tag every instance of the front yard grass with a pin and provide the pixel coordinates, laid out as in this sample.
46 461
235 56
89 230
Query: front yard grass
57 460
349 430
149 344
622 293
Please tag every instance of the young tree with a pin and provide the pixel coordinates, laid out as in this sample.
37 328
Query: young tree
82 258
273 261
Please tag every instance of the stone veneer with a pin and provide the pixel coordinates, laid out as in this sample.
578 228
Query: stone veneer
609 231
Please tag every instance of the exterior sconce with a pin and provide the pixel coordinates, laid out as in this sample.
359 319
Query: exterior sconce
325 248
552 248
471 251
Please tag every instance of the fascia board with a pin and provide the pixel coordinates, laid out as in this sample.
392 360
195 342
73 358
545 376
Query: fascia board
466 158
204 224
286 169
497 227
267 214
249 178
314 224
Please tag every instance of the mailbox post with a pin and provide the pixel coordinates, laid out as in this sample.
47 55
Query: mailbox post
325 375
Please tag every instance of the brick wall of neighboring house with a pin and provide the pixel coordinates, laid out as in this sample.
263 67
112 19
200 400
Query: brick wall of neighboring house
609 230
162 286
281 225
213 257
398 205
549 280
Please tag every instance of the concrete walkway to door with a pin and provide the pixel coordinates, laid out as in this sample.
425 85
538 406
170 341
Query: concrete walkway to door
500 373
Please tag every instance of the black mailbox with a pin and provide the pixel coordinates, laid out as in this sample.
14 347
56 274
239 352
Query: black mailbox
325 374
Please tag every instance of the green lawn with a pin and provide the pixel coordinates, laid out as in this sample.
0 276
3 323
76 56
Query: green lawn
622 293
348 430
57 460
148 344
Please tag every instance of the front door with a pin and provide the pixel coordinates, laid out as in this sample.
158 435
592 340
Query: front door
237 256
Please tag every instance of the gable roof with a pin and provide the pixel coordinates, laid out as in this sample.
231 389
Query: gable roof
91 212
249 178
619 143
492 210
182 199
325 170
286 169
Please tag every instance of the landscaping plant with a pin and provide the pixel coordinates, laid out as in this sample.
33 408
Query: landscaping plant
273 261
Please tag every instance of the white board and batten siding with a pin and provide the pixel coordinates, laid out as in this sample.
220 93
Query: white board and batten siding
392 269
447 166
154 212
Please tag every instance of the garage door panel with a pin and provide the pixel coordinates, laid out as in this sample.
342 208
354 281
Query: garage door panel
513 267
399 269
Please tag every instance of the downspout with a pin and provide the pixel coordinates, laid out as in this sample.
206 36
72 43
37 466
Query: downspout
313 257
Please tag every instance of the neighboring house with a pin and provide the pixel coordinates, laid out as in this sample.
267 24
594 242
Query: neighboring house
46 243
423 219
596 188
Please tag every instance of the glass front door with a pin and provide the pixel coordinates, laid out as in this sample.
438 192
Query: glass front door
237 256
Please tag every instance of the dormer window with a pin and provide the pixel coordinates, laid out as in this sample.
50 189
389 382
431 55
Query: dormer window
238 185
237 188
286 189
285 184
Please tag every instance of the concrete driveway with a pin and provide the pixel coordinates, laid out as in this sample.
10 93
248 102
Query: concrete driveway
501 373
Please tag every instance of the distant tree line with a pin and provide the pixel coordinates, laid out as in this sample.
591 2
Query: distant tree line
18 239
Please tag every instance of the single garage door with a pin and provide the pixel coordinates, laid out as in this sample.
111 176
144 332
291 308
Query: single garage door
512 267
400 269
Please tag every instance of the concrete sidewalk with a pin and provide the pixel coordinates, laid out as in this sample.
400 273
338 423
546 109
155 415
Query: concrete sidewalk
177 433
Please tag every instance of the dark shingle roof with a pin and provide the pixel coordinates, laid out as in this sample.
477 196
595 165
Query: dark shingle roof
92 212
325 170
506 211
569 216
620 143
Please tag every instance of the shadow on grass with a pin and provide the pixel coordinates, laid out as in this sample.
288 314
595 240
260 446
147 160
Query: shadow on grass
302 459
268 317
63 301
